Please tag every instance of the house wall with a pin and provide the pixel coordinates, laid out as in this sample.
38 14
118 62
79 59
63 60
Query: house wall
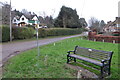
35 18
15 21
25 19
118 25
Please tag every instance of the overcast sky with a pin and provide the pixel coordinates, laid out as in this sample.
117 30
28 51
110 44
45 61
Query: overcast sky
101 9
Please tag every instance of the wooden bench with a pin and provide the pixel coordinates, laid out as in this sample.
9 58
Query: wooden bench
97 57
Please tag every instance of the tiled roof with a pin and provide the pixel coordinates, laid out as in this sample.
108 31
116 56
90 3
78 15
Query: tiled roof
28 17
117 21
110 23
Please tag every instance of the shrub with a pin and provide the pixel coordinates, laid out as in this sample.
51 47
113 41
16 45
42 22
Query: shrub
116 33
84 37
30 26
5 33
42 33
23 32
100 32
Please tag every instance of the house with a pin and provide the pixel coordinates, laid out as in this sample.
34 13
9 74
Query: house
15 20
117 22
112 26
24 20
108 27
34 20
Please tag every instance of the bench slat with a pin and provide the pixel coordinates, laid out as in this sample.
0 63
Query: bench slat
96 54
87 59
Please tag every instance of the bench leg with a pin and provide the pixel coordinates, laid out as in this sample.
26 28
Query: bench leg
101 75
74 59
109 70
67 59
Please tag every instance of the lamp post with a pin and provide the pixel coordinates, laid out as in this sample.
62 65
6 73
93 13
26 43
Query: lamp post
10 24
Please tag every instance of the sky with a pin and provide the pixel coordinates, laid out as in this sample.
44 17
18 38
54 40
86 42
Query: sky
105 10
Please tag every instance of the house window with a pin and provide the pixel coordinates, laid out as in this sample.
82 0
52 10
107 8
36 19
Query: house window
14 20
22 18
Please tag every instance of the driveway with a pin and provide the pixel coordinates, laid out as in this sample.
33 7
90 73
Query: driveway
13 48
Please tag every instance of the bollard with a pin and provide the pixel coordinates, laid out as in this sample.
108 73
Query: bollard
79 75
54 44
103 40
114 41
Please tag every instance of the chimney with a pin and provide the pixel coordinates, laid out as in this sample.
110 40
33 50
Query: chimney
117 18
109 22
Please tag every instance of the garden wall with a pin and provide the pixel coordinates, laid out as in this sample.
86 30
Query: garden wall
103 38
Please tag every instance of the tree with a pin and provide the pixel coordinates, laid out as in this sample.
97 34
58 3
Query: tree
48 20
102 24
18 13
27 13
5 13
51 22
94 23
67 18
83 23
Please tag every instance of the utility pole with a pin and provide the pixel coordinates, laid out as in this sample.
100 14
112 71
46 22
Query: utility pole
10 24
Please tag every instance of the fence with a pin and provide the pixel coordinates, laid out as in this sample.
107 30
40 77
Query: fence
103 38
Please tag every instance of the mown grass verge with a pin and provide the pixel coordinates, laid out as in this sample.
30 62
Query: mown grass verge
52 60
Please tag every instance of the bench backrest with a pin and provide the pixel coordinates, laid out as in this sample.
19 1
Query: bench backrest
92 53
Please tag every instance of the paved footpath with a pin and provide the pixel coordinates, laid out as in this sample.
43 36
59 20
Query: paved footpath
13 48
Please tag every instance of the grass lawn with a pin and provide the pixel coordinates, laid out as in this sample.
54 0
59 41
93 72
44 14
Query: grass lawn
52 60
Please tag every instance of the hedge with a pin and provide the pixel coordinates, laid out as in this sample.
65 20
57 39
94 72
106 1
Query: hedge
58 31
26 33
23 32
5 33
42 33
116 33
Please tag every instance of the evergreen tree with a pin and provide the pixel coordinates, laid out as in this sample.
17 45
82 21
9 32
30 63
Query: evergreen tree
67 18
83 23
102 24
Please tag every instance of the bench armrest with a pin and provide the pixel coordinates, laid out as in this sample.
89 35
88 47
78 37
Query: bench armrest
70 52
102 61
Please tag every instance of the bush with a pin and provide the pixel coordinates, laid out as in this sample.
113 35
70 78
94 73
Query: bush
23 32
42 33
116 33
5 33
84 37
100 32
30 26
58 32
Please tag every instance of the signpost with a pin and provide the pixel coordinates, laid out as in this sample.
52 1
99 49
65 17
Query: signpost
38 50
37 39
